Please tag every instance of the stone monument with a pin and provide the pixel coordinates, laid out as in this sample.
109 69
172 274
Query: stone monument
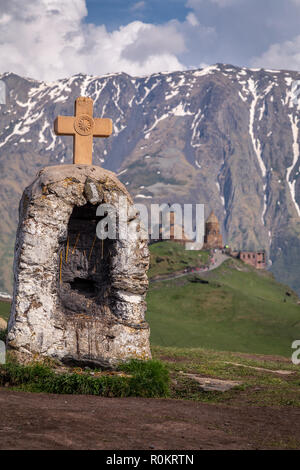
77 298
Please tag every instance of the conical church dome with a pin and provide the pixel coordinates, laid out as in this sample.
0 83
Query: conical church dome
212 219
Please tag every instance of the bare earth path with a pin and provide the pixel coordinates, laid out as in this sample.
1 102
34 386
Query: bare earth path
41 421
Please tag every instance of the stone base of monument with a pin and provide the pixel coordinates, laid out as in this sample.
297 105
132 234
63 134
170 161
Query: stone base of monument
78 299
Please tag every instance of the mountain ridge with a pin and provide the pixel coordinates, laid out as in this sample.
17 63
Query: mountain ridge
224 136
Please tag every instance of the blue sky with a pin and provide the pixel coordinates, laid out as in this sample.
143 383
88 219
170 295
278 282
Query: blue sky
114 13
50 39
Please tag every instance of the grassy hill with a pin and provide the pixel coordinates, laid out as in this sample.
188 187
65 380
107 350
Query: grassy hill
232 308
167 257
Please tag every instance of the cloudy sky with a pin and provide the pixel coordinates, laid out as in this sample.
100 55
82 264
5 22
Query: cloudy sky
50 39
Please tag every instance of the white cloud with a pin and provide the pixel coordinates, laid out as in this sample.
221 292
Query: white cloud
221 3
284 55
225 3
4 19
192 19
138 6
48 39
154 40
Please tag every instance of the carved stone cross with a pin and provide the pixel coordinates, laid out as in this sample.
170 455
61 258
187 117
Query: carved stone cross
83 127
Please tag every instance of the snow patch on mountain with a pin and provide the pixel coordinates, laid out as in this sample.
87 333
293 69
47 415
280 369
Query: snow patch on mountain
255 141
296 152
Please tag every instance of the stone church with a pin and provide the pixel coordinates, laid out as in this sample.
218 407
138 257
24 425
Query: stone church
213 237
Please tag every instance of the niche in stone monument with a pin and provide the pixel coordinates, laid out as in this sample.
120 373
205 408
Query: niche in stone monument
84 264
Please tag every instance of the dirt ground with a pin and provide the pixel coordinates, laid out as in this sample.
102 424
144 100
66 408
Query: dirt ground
41 421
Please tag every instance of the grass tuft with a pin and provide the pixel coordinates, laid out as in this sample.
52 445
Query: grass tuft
141 378
149 378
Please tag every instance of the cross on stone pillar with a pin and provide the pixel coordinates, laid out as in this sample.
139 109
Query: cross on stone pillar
83 127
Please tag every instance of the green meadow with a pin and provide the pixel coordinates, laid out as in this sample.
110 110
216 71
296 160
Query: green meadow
232 308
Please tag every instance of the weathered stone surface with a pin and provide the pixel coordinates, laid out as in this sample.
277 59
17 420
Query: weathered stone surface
76 299
3 324
209 384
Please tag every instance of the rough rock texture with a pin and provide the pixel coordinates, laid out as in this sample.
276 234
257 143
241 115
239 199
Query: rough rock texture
76 298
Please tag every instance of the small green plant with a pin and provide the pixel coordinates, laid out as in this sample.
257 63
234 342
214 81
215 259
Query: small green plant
141 378
149 378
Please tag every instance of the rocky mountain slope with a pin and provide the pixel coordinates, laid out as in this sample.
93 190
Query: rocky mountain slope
224 136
